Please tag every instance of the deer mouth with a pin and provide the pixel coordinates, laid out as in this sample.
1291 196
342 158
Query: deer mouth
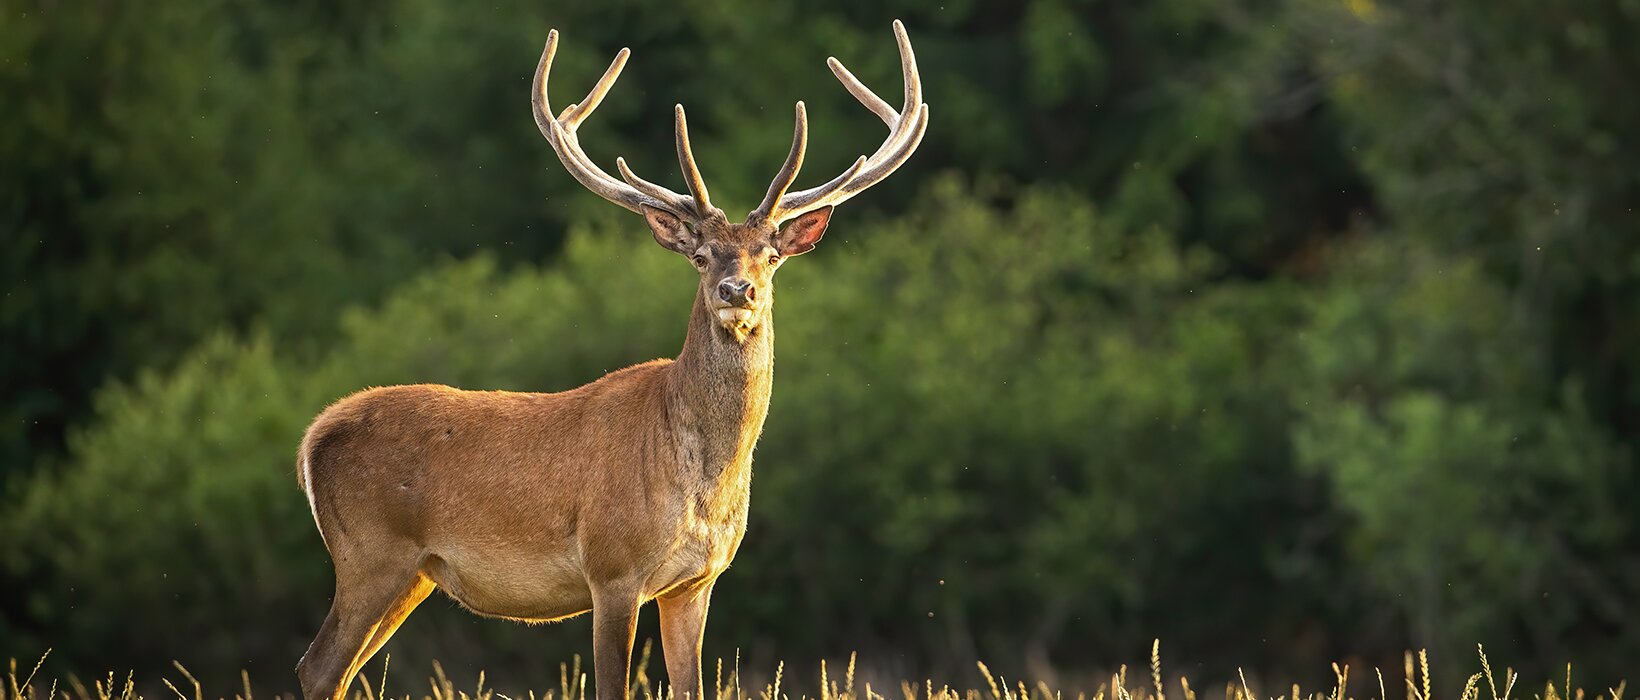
735 315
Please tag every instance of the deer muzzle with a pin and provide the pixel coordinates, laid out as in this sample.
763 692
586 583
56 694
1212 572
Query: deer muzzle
737 291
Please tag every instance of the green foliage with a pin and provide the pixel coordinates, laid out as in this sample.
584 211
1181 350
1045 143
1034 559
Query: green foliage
1498 129
1022 300
1345 353
1018 406
168 176
177 482
1473 498
1011 406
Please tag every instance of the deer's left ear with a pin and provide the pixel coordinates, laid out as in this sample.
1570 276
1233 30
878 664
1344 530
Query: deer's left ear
799 236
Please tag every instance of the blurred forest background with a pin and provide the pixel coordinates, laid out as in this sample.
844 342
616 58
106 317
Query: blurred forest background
1283 330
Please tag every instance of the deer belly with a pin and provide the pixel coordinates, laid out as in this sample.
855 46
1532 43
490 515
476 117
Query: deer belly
533 586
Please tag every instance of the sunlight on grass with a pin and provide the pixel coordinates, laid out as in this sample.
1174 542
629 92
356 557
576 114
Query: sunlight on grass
726 685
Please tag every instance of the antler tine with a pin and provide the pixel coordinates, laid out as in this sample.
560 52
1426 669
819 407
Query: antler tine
788 172
575 113
560 134
908 68
906 129
676 202
862 93
691 172
538 96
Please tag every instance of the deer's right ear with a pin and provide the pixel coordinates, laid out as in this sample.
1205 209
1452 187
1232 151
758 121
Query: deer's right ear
670 231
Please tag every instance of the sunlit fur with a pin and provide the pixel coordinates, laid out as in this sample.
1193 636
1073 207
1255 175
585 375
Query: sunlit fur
634 487
535 506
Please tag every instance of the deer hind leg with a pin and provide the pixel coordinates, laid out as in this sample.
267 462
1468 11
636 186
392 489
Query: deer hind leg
396 614
370 604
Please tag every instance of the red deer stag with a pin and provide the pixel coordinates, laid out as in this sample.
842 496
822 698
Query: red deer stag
633 488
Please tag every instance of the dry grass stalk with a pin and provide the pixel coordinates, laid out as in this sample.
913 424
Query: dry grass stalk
573 686
989 680
1156 668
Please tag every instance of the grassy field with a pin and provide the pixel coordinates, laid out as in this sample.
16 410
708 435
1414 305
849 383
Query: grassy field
841 684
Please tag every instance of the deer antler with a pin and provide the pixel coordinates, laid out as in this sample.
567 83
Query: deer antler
634 191
905 132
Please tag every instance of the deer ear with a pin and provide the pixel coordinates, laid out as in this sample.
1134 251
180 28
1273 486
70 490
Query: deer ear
670 231
799 236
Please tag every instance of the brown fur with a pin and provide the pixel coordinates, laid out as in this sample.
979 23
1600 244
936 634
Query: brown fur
537 507
634 487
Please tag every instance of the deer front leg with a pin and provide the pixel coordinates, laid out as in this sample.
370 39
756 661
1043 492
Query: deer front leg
683 624
614 623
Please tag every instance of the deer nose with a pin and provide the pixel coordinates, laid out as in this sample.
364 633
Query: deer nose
737 290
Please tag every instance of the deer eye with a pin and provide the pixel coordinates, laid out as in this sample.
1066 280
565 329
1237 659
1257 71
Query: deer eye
774 259
700 261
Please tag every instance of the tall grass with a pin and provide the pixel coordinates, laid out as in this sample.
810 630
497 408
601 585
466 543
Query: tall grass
726 684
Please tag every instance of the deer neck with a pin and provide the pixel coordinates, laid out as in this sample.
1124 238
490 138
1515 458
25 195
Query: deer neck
718 395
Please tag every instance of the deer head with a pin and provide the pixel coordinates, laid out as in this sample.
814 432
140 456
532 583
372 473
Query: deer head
737 261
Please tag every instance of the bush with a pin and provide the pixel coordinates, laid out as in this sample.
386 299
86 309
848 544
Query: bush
1479 499
1001 427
